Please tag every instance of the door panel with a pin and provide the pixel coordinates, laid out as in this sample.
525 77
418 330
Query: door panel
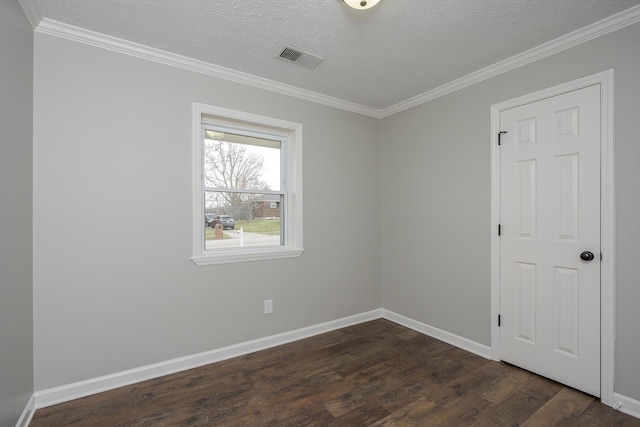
550 213
526 192
566 305
526 310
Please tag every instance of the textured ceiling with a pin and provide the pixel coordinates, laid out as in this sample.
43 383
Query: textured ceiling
376 58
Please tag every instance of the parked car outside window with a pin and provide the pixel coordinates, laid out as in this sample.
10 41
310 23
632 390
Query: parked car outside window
227 221
208 219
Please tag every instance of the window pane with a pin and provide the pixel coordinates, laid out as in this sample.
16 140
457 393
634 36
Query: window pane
241 162
246 219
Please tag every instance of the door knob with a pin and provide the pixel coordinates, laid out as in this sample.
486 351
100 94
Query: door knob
587 256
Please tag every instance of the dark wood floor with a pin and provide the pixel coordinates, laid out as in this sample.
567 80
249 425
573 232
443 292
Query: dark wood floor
374 374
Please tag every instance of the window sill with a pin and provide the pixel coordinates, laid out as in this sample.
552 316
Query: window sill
245 255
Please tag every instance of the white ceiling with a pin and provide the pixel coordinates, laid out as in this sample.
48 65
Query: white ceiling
375 58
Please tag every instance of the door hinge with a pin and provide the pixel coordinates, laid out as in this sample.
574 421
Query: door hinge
499 229
502 132
499 321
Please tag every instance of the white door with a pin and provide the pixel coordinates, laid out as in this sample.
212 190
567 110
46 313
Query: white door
550 221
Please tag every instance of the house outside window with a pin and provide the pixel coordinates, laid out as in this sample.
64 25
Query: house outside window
268 207
247 178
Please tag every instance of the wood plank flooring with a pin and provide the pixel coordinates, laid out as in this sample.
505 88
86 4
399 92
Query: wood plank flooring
373 374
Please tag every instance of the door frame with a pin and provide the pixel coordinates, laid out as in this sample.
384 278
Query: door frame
607 218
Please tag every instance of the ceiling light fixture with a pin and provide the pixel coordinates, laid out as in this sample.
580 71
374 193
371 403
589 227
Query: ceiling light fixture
361 4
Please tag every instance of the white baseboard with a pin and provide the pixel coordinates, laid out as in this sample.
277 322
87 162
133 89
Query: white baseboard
85 388
65 393
627 405
27 414
448 337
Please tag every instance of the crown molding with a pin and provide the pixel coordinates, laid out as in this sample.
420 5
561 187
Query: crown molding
32 11
600 28
81 35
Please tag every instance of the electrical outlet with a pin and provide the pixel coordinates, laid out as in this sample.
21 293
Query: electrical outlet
268 306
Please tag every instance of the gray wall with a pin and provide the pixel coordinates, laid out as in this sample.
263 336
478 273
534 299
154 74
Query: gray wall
114 288
16 316
436 182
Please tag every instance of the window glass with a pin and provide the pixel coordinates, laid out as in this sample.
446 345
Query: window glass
247 162
248 220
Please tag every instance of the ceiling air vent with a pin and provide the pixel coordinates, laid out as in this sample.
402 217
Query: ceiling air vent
300 57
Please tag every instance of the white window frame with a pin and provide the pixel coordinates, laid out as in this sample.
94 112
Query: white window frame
291 215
